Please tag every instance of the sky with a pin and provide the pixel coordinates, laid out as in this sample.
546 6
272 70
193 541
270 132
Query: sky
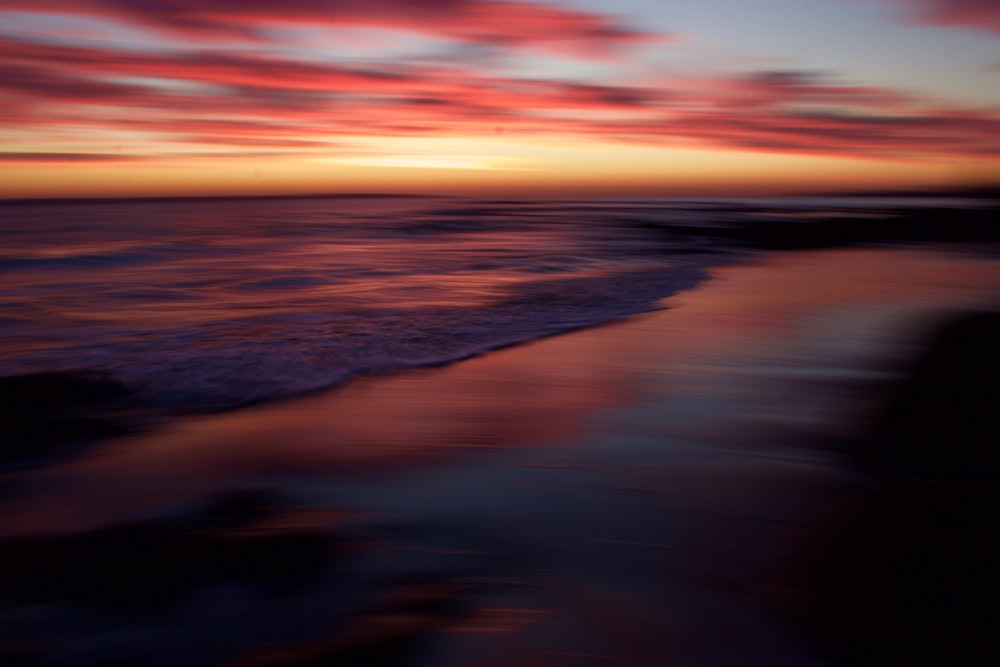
496 97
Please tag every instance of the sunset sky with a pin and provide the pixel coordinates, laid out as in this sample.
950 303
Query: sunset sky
506 97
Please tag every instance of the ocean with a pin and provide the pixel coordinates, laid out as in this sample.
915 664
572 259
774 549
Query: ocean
205 305
658 490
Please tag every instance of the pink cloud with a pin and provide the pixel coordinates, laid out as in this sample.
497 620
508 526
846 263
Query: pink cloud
491 22
236 69
238 85
901 137
250 101
768 88
800 112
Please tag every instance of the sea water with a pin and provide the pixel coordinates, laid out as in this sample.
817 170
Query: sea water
212 304
618 494
202 305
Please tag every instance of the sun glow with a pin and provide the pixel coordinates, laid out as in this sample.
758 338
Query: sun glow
429 162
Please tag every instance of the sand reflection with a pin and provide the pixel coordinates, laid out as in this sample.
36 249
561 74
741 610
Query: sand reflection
732 352
514 398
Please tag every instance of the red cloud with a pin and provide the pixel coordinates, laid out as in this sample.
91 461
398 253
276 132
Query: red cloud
800 112
983 15
241 99
236 85
904 137
31 80
979 14
235 69
769 88
492 22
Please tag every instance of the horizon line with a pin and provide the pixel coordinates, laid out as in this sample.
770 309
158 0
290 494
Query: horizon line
990 190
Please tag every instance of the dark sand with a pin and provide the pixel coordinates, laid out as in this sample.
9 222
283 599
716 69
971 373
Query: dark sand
634 494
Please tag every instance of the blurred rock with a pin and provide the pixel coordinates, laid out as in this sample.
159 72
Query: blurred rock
148 565
920 225
42 413
58 391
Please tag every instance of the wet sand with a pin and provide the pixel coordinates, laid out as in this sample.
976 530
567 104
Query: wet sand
630 494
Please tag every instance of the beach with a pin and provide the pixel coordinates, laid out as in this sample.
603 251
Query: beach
499 333
634 493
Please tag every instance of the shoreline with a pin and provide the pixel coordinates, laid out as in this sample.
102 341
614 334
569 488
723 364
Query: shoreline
630 491
716 332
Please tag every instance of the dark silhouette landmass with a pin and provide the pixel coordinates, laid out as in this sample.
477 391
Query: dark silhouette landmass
45 414
944 420
909 575
847 228
981 191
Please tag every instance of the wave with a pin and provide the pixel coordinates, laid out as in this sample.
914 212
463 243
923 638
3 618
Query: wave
201 307
235 363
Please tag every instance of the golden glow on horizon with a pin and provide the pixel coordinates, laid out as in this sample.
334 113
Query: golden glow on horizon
545 165
425 162
540 96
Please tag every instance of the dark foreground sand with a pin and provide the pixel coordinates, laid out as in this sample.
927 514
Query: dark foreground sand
643 493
